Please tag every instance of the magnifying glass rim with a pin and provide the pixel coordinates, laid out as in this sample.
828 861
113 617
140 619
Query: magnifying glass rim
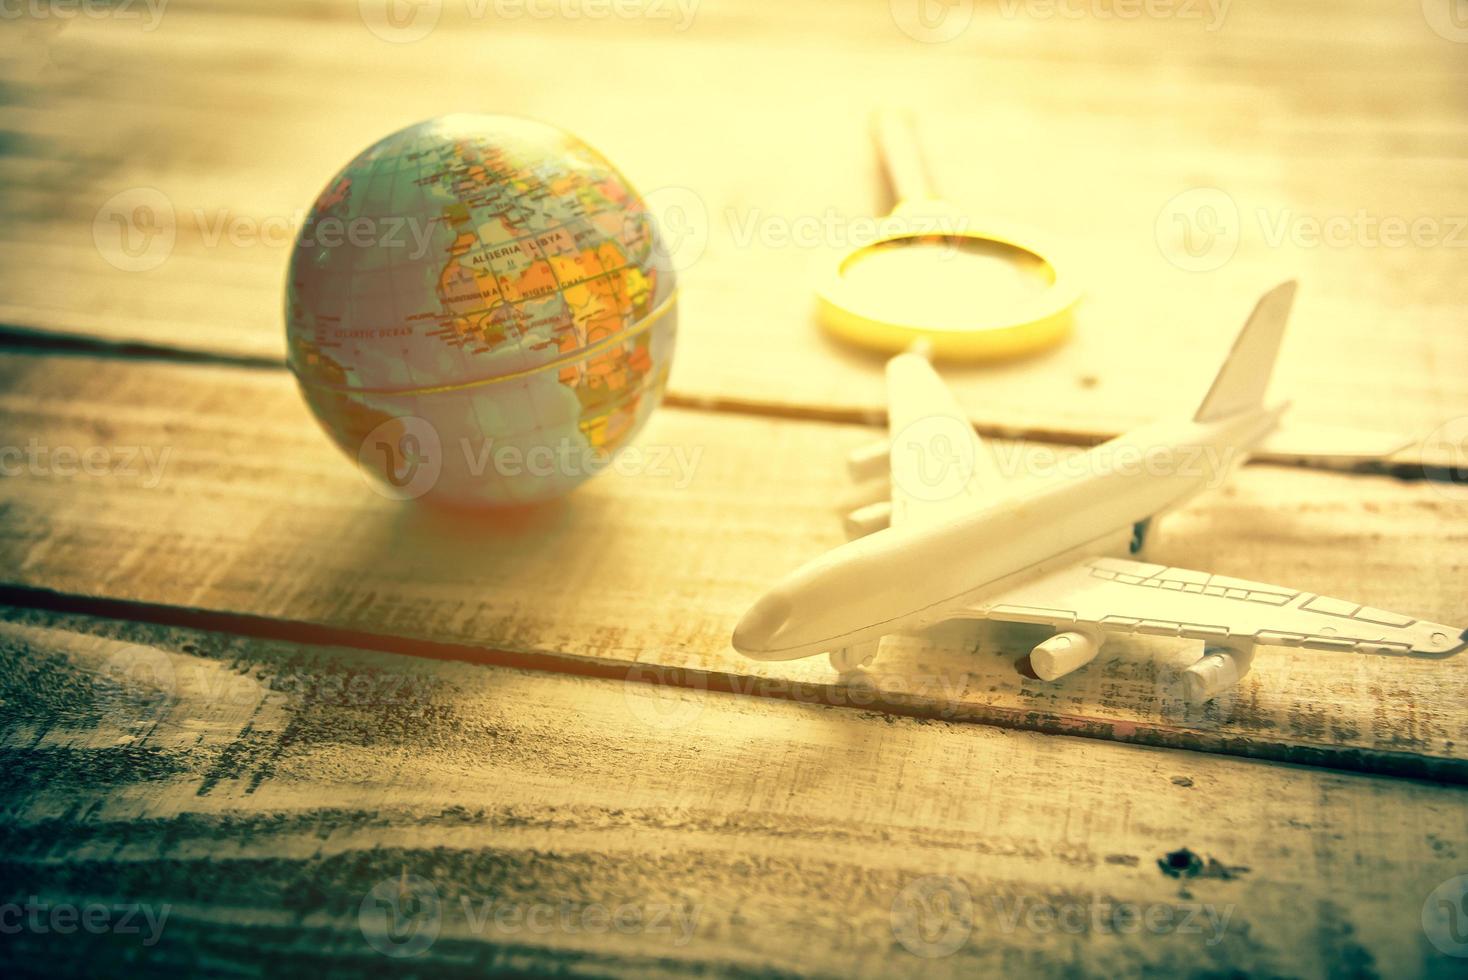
1037 324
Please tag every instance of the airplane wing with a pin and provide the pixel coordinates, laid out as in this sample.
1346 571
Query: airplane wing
939 466
1119 596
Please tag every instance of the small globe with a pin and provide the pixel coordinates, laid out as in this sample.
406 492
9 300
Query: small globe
479 310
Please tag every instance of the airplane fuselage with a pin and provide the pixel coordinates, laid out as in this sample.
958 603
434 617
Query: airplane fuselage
902 579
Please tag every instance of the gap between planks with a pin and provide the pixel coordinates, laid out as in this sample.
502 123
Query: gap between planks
37 341
1242 117
1403 765
165 765
257 515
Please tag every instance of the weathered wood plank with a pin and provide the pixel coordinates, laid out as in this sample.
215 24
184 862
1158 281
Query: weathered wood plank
1298 123
214 491
263 802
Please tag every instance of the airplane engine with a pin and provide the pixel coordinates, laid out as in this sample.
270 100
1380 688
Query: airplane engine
868 462
1063 653
1220 669
868 520
874 491
848 659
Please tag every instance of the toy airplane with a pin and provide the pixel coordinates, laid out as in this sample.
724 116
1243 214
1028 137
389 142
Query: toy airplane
962 543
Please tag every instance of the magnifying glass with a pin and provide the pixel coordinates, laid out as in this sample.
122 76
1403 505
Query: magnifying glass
971 292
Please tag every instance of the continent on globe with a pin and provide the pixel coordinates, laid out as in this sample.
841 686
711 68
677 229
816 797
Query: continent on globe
475 300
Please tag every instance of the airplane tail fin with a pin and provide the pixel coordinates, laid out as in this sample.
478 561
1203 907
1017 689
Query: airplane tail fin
1244 377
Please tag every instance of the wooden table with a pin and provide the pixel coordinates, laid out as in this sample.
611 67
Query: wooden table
259 719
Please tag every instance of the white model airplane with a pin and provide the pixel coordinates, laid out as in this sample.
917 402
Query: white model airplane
964 543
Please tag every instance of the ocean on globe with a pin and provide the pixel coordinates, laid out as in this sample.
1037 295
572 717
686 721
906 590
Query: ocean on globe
480 312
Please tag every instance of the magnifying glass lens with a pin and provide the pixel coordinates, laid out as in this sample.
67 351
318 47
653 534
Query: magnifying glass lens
950 282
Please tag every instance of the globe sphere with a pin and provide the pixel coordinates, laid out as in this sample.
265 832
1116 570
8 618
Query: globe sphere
480 311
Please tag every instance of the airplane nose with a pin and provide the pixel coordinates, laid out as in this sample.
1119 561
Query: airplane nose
757 628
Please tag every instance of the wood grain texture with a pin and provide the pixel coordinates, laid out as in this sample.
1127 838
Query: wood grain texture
1315 122
246 510
264 800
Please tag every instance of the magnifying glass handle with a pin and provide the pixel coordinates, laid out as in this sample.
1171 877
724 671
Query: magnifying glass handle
896 138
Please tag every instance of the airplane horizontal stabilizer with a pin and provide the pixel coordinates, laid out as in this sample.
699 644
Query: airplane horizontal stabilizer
1294 440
